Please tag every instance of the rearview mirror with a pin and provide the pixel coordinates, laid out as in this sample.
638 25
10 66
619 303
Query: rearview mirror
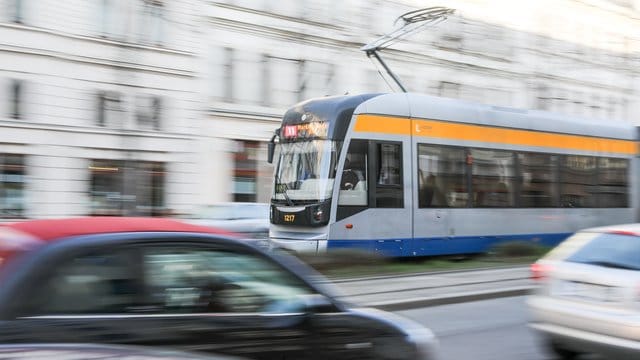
271 149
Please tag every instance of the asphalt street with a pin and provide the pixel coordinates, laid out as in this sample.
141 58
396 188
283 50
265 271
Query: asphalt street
494 329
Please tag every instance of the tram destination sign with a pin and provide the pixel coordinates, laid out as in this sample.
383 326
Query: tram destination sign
311 130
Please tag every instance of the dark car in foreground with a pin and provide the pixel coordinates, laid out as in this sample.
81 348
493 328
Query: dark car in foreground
160 282
589 295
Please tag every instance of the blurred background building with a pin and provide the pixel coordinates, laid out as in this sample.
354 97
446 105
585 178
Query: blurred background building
155 107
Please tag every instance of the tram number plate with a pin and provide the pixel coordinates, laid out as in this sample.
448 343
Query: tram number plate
289 218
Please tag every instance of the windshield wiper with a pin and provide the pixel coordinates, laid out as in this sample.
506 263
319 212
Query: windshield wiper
284 190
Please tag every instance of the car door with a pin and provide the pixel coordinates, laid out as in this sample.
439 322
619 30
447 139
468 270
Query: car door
226 300
359 334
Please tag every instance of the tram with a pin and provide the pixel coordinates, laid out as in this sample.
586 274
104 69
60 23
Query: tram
407 174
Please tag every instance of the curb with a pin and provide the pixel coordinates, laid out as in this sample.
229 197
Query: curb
436 272
421 302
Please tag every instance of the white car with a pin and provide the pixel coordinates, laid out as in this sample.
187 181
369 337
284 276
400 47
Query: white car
247 219
588 300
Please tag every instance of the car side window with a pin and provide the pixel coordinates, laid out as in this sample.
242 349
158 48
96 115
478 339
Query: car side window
96 283
183 280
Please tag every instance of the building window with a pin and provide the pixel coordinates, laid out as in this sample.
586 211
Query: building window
148 112
284 78
114 19
12 180
452 34
108 111
543 100
315 79
17 92
228 74
152 18
18 11
150 188
449 89
302 79
266 80
245 173
120 188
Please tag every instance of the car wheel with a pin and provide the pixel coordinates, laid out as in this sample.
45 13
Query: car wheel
562 352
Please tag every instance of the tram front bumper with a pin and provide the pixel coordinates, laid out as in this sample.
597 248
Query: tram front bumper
298 245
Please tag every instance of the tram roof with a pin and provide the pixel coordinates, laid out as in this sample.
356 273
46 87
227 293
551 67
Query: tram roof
437 108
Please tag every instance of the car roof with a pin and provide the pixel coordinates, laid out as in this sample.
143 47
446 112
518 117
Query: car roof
53 229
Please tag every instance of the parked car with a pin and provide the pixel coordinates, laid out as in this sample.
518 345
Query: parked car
97 352
144 281
589 295
251 220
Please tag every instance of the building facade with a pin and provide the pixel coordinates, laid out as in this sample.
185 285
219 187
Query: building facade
100 107
154 107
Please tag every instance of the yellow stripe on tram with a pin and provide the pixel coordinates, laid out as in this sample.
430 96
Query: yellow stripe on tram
480 133
383 124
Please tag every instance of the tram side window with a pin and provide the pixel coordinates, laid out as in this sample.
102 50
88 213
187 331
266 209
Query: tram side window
537 180
441 176
577 181
613 190
353 182
389 188
493 178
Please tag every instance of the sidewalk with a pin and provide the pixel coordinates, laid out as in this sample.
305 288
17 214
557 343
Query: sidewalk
404 292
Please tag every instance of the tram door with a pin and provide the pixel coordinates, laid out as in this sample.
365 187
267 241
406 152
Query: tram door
438 186
374 201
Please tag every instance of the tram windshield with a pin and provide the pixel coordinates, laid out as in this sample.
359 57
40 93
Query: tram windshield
305 171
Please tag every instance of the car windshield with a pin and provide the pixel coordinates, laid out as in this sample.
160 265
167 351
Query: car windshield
306 170
609 250
235 212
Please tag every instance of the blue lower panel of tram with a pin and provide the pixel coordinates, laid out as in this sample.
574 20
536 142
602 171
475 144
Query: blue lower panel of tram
442 245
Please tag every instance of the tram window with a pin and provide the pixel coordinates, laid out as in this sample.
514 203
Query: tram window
537 180
353 182
577 181
612 183
389 187
442 180
493 178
